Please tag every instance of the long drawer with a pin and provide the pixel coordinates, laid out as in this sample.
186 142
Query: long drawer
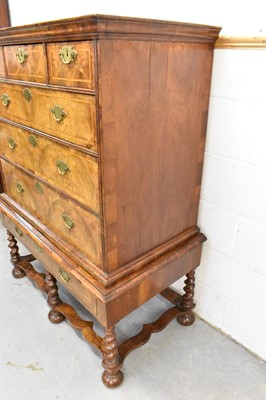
62 271
73 172
66 115
69 221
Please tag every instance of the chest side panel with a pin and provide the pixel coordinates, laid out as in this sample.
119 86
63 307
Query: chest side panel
153 100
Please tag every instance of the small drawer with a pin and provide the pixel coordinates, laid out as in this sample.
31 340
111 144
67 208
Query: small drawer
26 62
69 116
43 251
71 64
70 222
67 169
2 63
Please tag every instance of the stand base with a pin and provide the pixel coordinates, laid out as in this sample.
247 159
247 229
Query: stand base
113 354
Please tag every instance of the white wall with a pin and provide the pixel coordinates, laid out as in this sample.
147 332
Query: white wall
231 282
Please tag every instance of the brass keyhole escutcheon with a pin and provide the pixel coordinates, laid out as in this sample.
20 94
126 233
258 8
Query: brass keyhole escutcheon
68 221
20 188
27 94
18 231
12 143
67 54
33 140
58 113
22 55
5 99
62 167
64 275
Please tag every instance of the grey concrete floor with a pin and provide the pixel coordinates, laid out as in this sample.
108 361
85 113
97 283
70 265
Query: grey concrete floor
39 360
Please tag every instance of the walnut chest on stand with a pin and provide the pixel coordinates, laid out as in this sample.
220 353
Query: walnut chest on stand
102 132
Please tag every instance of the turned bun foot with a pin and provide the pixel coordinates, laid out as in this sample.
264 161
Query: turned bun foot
55 317
18 273
186 319
112 381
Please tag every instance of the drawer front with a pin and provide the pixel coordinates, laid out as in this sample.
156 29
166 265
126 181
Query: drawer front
69 116
67 169
60 270
66 219
71 64
26 62
2 63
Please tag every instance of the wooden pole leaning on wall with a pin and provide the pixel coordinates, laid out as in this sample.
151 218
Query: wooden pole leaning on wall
4 14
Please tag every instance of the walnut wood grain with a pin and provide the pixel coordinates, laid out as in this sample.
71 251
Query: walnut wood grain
17 272
187 300
86 232
53 299
80 182
4 14
112 375
147 330
32 69
79 72
78 126
152 142
36 277
2 63
99 26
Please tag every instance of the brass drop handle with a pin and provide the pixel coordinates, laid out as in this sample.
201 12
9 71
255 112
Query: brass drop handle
33 140
64 275
18 231
68 221
12 143
20 187
58 113
22 55
62 167
67 54
5 99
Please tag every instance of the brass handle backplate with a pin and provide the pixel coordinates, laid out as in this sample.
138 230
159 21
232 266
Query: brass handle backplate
62 167
68 221
64 275
22 55
20 187
33 140
18 231
27 94
12 143
67 54
38 248
58 113
39 187
5 99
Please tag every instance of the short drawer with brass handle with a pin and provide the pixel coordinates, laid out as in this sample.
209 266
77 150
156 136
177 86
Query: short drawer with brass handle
26 63
65 115
71 64
71 171
70 222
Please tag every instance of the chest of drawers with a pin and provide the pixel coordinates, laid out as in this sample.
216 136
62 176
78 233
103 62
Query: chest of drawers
102 132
